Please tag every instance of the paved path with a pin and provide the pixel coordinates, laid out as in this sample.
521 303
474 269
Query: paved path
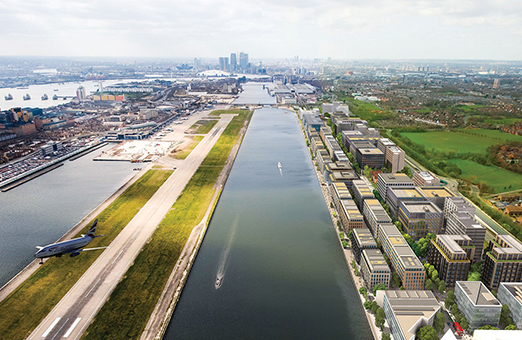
75 311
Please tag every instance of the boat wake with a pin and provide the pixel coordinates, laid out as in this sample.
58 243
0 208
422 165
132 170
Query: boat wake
225 255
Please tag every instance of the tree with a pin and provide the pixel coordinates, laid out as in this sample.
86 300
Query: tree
363 291
379 286
442 286
396 281
455 310
367 304
509 328
434 275
431 268
379 318
439 322
464 323
427 333
488 327
504 316
374 308
386 336
429 284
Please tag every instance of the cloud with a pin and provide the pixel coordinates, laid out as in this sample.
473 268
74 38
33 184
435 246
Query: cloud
265 28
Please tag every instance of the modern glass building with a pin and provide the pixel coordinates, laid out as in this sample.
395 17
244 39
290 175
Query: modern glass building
511 294
477 304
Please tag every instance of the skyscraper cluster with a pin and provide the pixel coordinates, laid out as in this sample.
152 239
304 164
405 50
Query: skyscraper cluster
232 64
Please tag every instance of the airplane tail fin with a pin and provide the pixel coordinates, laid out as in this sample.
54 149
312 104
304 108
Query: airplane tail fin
92 230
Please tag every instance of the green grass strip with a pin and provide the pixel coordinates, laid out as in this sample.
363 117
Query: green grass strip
25 308
126 313
206 126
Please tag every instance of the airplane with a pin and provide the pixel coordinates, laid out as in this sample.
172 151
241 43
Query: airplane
71 247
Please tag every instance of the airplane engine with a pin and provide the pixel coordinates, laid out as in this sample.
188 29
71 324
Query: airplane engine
74 254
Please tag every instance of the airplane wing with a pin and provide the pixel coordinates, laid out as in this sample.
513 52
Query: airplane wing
85 249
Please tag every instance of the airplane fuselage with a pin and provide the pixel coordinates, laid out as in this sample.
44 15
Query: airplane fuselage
64 247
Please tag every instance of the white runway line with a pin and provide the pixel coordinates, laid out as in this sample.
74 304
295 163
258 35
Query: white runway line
72 327
51 327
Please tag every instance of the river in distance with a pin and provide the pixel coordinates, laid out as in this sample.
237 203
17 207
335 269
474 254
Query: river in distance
270 266
40 211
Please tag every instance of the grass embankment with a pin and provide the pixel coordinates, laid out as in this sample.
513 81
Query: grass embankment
25 308
126 313
186 151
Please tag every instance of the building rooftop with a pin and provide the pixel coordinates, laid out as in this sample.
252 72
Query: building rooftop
420 207
364 237
436 192
370 151
426 175
409 306
450 241
401 192
395 149
515 288
477 292
375 259
396 178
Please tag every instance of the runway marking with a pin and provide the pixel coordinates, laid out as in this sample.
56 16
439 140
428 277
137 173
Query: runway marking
60 329
153 211
51 327
133 236
90 290
72 327
163 198
117 257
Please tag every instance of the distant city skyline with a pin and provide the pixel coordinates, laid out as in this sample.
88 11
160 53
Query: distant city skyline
374 29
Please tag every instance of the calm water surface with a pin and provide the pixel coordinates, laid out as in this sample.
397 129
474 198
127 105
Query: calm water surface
272 243
42 210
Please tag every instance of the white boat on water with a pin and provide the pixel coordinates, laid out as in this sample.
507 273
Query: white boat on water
219 282
279 165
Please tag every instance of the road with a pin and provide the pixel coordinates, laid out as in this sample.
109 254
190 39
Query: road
70 318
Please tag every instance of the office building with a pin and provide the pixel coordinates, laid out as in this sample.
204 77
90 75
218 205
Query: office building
451 255
346 176
395 195
243 61
371 157
477 304
339 192
350 216
503 261
511 294
361 238
361 191
462 222
457 203
374 214
395 158
374 268
233 62
81 93
425 178
392 180
384 143
420 218
407 311
403 260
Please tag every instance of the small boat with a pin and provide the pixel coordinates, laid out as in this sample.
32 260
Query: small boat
9 97
279 165
44 97
219 282
55 90
55 97
27 96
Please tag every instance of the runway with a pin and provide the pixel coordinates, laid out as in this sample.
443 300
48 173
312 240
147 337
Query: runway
75 311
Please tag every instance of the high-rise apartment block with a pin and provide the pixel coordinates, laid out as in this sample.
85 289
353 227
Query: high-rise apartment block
503 261
462 222
395 158
450 255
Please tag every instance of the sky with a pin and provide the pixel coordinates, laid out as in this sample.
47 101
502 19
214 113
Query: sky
340 29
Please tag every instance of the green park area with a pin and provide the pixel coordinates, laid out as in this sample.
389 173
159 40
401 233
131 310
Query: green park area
500 180
125 314
461 141
26 307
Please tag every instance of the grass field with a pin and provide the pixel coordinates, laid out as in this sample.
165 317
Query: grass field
23 310
369 112
185 152
125 314
497 178
202 127
475 141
